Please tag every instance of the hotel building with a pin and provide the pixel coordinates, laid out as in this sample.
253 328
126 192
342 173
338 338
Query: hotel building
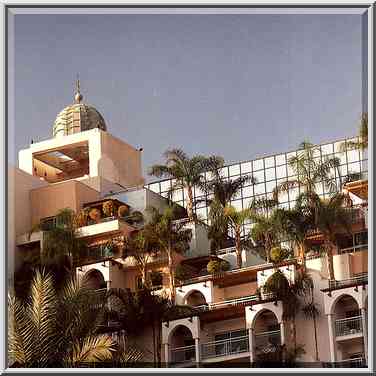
235 322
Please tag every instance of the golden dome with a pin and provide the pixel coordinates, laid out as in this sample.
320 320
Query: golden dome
77 117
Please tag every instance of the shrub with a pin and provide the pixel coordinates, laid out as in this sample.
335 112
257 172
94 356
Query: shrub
278 254
108 208
183 272
82 217
224 265
216 266
95 214
123 210
277 284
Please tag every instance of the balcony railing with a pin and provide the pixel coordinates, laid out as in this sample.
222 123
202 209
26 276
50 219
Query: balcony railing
226 303
225 347
183 354
356 248
266 342
348 326
360 279
351 363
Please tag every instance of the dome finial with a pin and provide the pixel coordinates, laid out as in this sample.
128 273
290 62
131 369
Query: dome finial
78 96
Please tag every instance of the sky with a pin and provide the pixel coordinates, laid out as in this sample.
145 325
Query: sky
239 86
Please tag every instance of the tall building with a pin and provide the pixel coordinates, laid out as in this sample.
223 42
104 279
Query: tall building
235 320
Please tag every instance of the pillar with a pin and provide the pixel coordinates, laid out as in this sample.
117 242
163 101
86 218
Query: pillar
282 329
108 284
332 339
251 346
167 354
197 351
365 334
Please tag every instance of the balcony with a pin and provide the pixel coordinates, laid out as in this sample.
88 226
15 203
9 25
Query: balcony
226 347
357 248
349 326
267 342
348 363
185 354
361 279
227 303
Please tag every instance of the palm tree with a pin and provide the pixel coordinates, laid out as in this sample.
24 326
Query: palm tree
236 220
309 172
332 216
171 236
187 172
295 225
223 190
362 142
57 329
141 246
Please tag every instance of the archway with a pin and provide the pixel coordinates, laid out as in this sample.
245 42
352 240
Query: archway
348 323
267 337
94 279
182 345
195 298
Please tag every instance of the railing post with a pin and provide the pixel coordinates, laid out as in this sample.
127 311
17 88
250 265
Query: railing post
251 345
167 354
197 352
365 334
332 339
282 331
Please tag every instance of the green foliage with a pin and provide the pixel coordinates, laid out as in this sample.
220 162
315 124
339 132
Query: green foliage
57 328
183 272
187 172
217 266
278 254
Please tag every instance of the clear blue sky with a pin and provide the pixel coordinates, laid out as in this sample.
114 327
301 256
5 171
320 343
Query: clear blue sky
239 86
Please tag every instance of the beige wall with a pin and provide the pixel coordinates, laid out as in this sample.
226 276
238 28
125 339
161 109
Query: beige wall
20 184
119 162
48 200
359 262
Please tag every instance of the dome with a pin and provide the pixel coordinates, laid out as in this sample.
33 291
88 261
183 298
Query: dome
77 117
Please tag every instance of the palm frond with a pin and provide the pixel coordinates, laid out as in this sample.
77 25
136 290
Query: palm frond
92 349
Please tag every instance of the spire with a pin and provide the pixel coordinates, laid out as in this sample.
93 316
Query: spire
78 96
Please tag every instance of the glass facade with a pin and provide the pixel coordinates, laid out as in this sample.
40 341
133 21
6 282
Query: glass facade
269 172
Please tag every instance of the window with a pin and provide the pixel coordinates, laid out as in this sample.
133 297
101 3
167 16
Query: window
270 174
258 164
246 167
269 162
361 238
280 159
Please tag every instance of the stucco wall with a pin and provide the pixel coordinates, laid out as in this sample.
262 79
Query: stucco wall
48 200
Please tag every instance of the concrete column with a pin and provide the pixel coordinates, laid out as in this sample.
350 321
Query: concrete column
108 284
332 339
197 351
365 334
282 329
251 346
167 354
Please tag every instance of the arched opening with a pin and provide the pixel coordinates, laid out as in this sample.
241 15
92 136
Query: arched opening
195 298
182 345
267 337
94 279
349 331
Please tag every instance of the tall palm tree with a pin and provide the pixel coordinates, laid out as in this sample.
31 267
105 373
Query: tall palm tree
236 220
222 190
57 329
331 217
295 225
172 237
141 245
362 142
309 171
187 172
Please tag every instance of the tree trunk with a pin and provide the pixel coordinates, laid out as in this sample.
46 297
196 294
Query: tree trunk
190 204
238 249
315 327
171 275
303 255
329 255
